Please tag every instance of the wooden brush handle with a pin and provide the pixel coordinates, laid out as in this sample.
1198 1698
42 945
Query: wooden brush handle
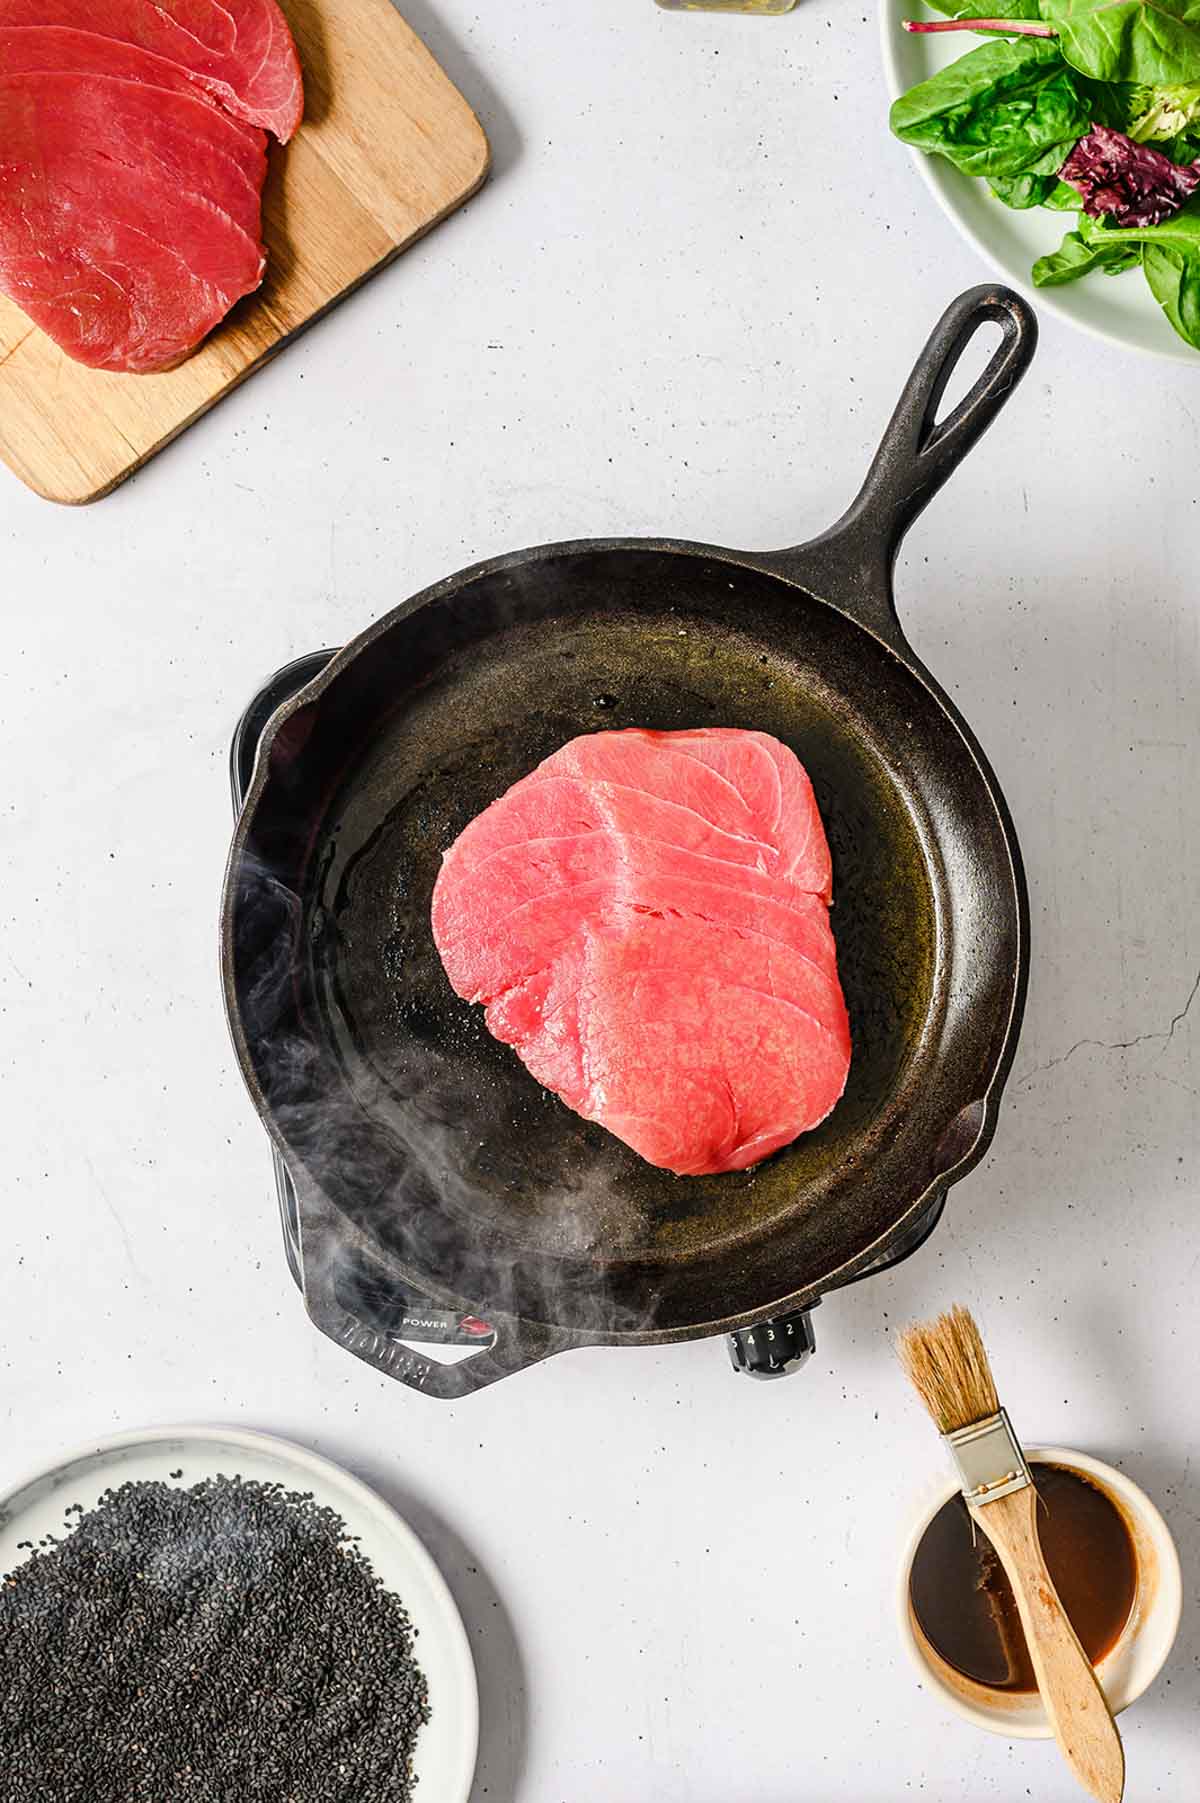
1075 1704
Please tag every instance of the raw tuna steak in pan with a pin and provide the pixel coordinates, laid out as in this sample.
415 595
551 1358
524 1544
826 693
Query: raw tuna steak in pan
645 918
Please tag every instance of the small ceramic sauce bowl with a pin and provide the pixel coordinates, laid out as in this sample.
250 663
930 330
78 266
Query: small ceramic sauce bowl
1130 1665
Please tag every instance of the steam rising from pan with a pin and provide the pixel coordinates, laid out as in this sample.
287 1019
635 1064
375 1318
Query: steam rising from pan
327 1117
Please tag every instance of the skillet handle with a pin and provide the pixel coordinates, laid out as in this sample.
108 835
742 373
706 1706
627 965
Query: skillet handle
851 564
356 1306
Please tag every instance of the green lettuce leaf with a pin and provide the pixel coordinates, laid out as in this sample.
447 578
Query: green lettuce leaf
1163 112
1115 103
1075 257
1152 42
1024 191
1039 186
1183 149
1063 198
997 111
1163 116
1169 253
1181 230
1174 278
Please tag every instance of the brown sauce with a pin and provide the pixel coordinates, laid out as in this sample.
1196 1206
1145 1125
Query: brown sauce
964 1604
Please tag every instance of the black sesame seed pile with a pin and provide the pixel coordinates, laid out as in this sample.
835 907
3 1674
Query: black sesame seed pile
223 1643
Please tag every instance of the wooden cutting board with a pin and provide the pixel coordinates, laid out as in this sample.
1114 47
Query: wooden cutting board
388 147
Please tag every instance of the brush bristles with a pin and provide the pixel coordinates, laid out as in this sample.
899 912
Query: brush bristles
948 1366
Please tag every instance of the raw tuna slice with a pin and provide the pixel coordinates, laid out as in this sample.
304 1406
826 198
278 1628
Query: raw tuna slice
645 918
129 212
239 51
205 147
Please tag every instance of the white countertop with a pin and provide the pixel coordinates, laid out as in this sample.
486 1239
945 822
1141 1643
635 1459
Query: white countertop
684 304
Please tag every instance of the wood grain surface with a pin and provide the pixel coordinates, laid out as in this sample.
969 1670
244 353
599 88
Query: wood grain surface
1075 1704
388 147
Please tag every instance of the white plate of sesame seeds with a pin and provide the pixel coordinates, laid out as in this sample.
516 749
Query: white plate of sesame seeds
35 1509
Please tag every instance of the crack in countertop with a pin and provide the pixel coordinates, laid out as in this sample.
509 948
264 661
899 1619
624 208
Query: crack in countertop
1116 1045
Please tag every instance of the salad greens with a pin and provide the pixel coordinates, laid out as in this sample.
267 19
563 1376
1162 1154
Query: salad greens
1089 107
1033 190
1156 43
1131 184
1162 112
1174 278
1152 42
1180 233
1075 256
997 110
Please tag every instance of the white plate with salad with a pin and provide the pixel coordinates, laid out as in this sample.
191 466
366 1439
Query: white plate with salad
1032 105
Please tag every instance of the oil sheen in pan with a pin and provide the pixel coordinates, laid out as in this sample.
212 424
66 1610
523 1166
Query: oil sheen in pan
498 1148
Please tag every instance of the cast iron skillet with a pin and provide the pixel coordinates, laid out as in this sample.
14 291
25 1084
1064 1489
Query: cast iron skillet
421 1147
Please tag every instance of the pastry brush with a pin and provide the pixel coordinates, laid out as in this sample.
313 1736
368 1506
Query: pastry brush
948 1365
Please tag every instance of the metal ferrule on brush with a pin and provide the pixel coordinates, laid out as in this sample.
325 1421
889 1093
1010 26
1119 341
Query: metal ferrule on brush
989 1459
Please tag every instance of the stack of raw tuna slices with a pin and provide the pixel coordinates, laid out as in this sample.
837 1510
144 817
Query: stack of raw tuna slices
132 162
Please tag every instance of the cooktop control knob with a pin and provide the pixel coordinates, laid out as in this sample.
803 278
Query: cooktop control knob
774 1348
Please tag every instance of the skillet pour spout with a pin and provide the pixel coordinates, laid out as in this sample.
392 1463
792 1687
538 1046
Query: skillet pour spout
433 1179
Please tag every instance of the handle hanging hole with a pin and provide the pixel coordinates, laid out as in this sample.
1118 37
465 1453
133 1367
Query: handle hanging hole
969 369
441 1355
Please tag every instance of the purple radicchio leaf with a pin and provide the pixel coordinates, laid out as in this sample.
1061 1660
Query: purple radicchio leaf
1131 184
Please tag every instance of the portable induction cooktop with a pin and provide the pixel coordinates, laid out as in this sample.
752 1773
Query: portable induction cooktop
388 1326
